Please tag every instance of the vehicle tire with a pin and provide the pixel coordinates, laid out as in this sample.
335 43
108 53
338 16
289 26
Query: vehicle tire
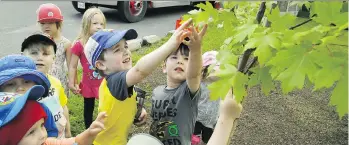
132 11
82 11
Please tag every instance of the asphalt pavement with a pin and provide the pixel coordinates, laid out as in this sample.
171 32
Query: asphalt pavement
18 21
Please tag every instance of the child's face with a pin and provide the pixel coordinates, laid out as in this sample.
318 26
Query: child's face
116 58
17 85
97 23
176 66
49 28
36 135
43 56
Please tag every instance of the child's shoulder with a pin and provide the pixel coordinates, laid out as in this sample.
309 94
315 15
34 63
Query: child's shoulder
159 89
65 40
54 81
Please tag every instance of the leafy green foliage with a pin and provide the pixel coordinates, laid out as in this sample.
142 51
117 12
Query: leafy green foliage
314 52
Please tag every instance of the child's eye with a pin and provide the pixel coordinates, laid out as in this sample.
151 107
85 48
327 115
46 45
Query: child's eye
33 53
116 50
27 81
46 54
31 132
186 58
174 57
9 84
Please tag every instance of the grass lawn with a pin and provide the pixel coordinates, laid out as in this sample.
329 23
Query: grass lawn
300 117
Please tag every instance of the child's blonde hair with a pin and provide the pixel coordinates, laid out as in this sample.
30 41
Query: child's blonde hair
86 24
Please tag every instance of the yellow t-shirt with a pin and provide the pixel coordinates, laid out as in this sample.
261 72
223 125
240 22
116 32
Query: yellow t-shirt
55 83
120 116
55 101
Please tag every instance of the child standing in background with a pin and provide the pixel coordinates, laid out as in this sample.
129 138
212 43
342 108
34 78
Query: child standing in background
42 50
92 21
50 18
207 109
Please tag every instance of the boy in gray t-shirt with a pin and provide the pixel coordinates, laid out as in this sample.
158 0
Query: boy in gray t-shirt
175 106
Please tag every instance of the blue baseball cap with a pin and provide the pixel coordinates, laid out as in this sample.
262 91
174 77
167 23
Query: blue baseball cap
104 39
13 66
11 103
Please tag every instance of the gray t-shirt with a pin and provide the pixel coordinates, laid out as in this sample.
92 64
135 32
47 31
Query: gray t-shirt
174 113
208 109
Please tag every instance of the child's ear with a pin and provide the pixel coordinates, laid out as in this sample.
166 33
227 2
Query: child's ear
163 67
100 66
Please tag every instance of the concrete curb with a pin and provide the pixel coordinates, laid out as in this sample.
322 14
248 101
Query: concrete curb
136 44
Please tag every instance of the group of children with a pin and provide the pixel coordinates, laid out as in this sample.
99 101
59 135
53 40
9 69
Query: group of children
34 87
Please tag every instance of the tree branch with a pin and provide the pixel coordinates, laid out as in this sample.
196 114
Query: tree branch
260 13
298 25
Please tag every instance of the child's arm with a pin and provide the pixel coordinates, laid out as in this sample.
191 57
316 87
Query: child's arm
85 138
67 47
67 127
88 136
149 62
195 59
72 73
230 110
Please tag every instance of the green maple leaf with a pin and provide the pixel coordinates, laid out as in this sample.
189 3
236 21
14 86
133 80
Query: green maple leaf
219 89
280 22
244 31
311 36
296 63
239 82
300 4
228 71
229 5
264 44
206 7
323 79
329 12
329 65
202 17
339 97
226 57
262 76
336 40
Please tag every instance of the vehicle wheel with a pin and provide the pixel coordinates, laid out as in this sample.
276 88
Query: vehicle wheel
132 11
82 11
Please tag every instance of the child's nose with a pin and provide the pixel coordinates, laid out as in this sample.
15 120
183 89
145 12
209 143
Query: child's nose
20 89
43 133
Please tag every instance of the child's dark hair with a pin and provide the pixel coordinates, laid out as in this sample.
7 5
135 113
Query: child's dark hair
204 72
101 57
183 49
38 39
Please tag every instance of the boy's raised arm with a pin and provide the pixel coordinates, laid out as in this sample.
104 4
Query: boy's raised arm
149 62
195 59
229 111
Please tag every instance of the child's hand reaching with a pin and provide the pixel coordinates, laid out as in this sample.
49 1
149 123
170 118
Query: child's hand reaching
180 33
142 118
88 136
196 38
98 125
230 109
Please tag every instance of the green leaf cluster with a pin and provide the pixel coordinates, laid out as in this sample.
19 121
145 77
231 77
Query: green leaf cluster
316 51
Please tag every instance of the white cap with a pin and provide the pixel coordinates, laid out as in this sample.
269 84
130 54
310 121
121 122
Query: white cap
144 139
